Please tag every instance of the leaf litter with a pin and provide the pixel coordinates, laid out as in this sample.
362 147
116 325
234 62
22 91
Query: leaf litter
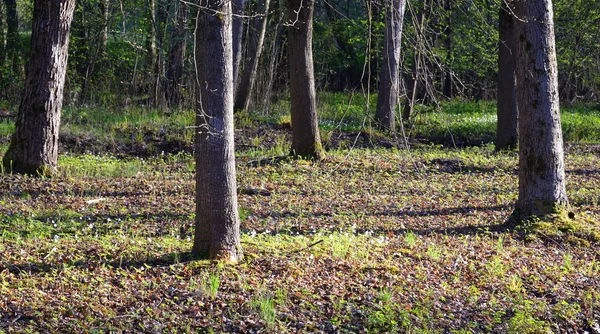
370 240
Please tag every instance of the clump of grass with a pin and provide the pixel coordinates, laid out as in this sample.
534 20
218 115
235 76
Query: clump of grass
264 303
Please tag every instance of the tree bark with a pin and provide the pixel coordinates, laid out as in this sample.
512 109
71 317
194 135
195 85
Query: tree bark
306 139
255 47
237 31
217 221
541 157
174 71
389 78
34 145
507 130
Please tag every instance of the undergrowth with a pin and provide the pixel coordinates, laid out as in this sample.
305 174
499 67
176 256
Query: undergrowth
374 239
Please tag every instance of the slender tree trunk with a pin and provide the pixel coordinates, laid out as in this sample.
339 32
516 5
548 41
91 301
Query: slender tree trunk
174 71
34 145
276 46
104 11
447 36
306 140
217 221
541 162
152 52
255 46
97 49
2 34
416 66
507 130
13 41
237 28
389 78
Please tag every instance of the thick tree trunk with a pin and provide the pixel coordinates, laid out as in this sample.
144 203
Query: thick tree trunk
217 221
174 71
389 78
237 29
34 145
255 47
541 157
306 139
507 131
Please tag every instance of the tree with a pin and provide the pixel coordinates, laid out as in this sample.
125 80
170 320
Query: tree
2 34
389 78
507 130
13 43
237 29
96 46
306 140
34 145
255 46
541 157
174 71
217 220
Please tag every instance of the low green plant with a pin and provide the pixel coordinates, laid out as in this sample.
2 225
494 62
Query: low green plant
265 305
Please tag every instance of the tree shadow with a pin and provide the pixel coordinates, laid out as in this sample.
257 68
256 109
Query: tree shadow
36 267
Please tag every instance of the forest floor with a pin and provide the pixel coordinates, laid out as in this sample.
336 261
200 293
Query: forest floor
376 238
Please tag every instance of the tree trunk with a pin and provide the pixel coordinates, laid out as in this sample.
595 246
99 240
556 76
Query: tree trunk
306 140
389 78
277 43
447 36
13 41
237 29
217 221
2 34
104 11
96 49
34 145
255 46
541 157
507 131
416 66
174 71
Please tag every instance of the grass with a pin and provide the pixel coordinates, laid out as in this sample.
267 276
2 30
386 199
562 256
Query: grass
370 240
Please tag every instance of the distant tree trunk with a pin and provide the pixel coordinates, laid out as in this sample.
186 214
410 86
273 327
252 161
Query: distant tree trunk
541 162
13 41
34 145
389 78
416 66
174 71
255 46
217 221
278 35
98 49
104 11
2 34
507 129
306 140
237 32
447 36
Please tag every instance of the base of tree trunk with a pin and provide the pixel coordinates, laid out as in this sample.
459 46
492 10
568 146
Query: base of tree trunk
562 226
316 154
227 256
